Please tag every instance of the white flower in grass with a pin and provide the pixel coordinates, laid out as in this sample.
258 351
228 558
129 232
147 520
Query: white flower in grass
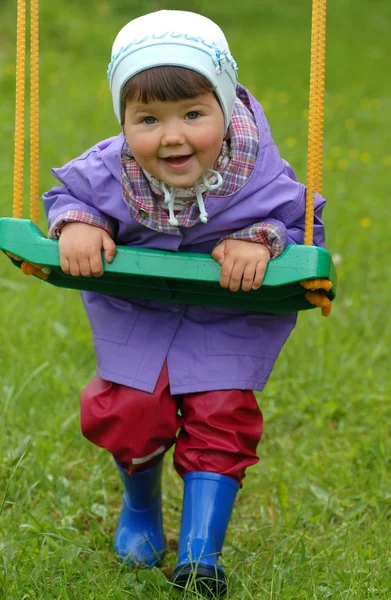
337 259
99 510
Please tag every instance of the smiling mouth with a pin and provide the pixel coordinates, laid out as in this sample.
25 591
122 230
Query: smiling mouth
178 161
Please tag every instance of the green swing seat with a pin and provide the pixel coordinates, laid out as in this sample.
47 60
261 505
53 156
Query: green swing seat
180 277
174 276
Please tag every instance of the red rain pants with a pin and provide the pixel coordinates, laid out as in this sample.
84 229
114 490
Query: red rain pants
218 431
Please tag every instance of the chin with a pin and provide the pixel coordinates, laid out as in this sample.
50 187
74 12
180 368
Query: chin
184 184
184 181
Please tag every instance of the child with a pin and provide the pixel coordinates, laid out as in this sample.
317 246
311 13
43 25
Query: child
194 169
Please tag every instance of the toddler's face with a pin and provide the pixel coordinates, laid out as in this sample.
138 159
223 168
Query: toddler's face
175 141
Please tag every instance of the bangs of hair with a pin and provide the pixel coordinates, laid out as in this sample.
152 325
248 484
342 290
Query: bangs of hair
166 84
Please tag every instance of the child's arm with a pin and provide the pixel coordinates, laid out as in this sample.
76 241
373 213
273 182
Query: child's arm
82 230
63 205
273 235
76 216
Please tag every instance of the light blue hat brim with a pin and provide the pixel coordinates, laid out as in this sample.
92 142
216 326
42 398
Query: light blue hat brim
221 74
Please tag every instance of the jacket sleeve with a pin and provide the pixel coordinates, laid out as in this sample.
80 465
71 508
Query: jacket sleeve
293 214
75 200
285 222
296 226
270 233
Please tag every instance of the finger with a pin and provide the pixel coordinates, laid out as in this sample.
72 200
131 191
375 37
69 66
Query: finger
84 267
226 270
96 265
259 275
248 277
64 262
218 252
219 257
74 269
109 247
236 276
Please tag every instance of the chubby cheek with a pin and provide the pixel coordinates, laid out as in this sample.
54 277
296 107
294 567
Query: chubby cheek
211 149
210 142
142 148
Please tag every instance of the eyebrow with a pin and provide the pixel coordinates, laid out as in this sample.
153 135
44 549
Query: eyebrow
196 101
141 108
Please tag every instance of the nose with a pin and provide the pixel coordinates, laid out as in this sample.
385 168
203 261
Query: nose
173 134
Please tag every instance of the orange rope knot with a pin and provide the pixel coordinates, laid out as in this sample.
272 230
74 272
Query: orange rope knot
320 300
317 284
316 297
30 269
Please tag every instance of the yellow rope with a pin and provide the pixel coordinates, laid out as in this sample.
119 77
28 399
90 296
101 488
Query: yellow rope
316 114
315 147
34 112
26 267
19 110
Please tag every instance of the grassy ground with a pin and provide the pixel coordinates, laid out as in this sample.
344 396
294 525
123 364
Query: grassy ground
313 520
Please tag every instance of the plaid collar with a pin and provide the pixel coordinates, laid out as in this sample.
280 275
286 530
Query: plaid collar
243 141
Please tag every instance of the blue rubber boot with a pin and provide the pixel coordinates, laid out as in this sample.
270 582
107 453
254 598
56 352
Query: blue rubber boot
207 505
139 539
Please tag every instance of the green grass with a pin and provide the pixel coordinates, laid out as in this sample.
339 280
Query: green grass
313 519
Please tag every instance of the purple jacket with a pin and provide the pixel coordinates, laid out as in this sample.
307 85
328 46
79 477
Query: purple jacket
206 348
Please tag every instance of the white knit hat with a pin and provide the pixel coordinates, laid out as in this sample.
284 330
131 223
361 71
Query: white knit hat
176 38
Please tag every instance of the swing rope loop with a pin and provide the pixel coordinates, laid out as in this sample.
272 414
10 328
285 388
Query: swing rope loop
315 146
34 111
17 211
316 115
21 32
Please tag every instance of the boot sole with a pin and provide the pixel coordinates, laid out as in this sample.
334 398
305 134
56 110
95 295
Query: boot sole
208 580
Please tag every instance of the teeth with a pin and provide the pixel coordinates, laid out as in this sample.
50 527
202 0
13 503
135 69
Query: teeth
181 156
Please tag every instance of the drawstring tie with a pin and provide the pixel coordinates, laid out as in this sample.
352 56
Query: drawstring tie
169 199
169 196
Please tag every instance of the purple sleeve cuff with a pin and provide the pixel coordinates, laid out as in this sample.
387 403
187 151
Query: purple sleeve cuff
271 233
78 216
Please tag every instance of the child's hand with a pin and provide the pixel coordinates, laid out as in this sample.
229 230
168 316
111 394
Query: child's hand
243 264
80 249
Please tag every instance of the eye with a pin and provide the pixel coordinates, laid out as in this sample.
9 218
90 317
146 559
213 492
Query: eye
193 115
149 120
